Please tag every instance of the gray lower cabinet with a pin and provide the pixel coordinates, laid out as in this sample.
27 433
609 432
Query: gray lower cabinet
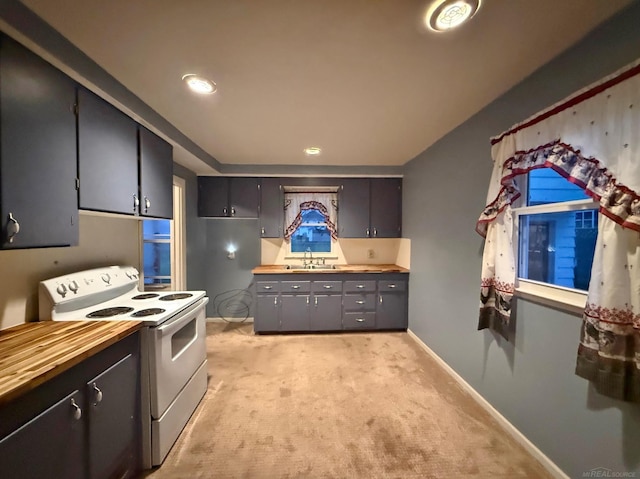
326 306
50 445
391 307
84 423
346 301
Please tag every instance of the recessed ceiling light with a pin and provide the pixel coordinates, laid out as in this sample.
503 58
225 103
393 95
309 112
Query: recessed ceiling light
312 151
444 15
199 84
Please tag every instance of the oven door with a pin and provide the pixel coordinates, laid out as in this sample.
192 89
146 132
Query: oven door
177 349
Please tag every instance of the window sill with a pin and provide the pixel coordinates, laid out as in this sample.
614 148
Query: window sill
568 299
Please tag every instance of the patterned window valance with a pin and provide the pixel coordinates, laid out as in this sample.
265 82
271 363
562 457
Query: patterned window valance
296 203
593 140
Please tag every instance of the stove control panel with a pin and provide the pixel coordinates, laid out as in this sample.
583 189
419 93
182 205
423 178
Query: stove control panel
76 286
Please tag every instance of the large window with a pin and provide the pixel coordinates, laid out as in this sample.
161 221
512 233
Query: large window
557 230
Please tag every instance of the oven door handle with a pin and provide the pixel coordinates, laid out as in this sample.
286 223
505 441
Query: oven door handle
183 317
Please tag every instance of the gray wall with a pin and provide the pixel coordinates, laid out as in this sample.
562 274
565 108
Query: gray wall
530 381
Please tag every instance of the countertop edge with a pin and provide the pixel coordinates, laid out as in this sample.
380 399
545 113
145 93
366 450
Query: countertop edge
346 269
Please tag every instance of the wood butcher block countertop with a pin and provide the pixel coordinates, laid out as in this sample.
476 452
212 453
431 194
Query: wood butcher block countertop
342 268
33 353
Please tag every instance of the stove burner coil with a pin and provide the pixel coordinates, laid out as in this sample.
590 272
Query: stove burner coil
146 296
173 297
148 312
105 313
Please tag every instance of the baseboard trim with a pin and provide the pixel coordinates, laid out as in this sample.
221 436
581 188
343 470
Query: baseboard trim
547 463
230 320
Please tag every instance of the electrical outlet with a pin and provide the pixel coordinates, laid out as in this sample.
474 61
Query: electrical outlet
370 253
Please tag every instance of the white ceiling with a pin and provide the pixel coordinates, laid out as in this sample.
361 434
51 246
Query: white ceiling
363 79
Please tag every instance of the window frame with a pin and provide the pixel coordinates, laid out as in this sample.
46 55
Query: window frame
570 299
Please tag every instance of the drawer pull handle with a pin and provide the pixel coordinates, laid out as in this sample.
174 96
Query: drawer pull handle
267 287
77 413
327 286
392 285
360 302
96 389
360 320
295 286
360 286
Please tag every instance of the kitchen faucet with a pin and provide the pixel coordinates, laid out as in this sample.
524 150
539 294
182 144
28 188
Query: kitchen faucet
304 258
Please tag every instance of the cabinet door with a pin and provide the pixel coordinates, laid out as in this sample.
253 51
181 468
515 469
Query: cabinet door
326 313
271 208
386 207
267 318
213 196
50 445
113 420
243 197
353 208
107 156
38 151
294 312
391 310
156 175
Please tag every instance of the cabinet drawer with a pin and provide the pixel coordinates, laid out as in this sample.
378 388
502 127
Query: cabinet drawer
327 287
295 286
359 286
267 287
390 285
359 302
359 320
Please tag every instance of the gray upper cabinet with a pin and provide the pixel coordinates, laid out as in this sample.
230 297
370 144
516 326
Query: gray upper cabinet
271 208
353 208
221 196
385 214
107 156
370 208
38 169
156 175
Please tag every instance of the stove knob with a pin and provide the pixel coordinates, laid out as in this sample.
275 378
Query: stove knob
73 287
62 290
106 278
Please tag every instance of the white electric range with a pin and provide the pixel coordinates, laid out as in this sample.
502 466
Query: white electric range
173 346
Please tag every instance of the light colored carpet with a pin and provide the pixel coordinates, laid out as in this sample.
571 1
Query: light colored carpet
360 405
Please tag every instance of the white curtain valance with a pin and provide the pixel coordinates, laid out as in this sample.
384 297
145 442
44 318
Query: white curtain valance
593 140
295 203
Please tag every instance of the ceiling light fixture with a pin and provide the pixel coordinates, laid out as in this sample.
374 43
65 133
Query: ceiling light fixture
444 15
312 151
199 84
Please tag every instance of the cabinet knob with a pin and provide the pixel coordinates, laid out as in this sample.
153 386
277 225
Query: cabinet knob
224 211
136 203
275 301
98 393
360 302
392 285
295 286
315 300
360 320
267 287
380 299
147 204
13 228
233 211
262 232
77 412
360 286
375 232
327 286
368 232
